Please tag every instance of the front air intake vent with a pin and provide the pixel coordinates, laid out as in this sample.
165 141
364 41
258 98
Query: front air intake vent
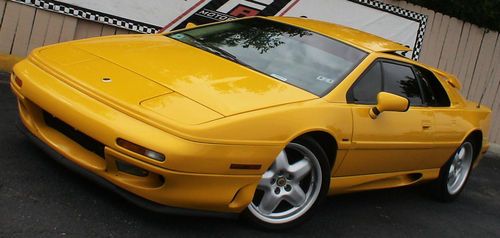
82 139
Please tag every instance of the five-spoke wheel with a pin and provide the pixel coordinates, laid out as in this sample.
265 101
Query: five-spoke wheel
292 185
455 172
459 168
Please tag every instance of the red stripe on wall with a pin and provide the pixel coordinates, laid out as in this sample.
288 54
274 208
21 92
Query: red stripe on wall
290 7
182 15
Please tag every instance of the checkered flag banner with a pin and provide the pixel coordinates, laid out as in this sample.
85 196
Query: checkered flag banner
136 26
411 15
90 15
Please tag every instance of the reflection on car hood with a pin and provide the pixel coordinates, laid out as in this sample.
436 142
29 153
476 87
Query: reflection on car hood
217 83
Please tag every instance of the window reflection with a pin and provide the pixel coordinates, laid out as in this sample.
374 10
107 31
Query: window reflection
296 56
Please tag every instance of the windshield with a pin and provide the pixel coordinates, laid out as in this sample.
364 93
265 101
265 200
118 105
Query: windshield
299 57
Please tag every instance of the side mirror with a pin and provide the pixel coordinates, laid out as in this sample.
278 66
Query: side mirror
190 25
389 102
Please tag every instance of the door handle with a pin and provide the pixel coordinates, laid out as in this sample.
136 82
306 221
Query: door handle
426 125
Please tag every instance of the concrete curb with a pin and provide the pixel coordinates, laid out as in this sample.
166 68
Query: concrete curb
7 62
494 149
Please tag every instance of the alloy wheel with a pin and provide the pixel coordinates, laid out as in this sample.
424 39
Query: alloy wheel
459 168
289 188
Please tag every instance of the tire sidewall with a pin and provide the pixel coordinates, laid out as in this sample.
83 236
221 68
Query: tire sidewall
442 192
322 159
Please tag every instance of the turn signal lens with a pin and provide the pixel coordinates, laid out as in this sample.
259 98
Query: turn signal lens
18 81
140 150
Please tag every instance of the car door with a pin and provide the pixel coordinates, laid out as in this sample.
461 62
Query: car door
448 131
395 141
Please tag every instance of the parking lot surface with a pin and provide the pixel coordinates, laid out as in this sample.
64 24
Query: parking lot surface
40 198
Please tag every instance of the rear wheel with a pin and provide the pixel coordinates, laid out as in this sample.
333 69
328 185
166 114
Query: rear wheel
292 187
455 172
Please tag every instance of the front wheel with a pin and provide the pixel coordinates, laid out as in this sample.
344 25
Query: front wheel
455 173
292 187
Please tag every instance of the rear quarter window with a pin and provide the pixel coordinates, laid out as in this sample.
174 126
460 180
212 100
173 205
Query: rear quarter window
434 91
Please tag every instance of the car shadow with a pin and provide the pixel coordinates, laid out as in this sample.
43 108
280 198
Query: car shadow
363 208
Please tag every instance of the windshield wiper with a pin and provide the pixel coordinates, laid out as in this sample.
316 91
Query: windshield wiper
216 50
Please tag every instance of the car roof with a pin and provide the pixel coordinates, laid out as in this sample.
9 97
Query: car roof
360 39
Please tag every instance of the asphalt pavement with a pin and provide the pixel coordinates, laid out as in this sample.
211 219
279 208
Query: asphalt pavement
40 198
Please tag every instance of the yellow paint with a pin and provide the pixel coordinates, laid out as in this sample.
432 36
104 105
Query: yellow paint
190 25
388 102
180 108
349 184
451 79
204 113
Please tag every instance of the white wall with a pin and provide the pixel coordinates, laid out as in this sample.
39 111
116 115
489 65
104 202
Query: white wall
161 13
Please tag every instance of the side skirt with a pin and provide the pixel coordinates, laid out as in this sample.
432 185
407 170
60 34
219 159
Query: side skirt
347 184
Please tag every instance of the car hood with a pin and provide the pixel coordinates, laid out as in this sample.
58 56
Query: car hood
163 74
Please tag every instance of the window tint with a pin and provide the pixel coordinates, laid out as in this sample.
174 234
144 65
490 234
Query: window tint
297 56
368 86
428 94
434 93
400 80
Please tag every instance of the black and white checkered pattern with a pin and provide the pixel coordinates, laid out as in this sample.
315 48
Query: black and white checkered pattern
87 14
411 15
104 18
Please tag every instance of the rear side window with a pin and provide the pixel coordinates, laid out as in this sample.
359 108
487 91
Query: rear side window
434 93
400 80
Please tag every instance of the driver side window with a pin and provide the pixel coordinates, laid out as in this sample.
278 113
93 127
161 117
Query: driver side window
386 76
367 87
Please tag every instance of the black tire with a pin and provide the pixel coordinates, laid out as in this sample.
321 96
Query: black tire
441 188
253 215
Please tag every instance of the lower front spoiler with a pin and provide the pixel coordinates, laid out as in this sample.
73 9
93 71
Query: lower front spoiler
141 202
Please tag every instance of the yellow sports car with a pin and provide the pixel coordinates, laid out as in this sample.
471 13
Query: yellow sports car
258 116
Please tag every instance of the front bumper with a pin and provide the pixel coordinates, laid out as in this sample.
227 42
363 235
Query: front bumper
206 184
144 203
